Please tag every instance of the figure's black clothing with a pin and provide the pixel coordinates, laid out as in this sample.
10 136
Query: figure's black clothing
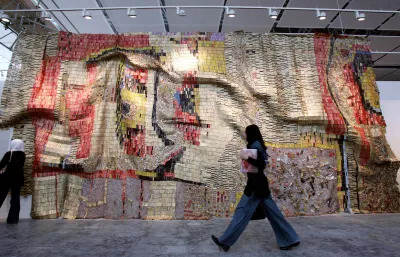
257 182
12 179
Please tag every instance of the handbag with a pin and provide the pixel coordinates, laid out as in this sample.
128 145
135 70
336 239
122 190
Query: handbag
5 167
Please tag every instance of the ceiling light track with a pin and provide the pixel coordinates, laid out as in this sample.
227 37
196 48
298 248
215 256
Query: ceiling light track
131 13
360 16
86 14
180 12
273 13
360 11
321 15
45 15
379 52
231 13
4 17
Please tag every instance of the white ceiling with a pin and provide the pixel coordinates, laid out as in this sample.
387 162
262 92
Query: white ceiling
392 24
250 20
204 20
209 20
386 44
147 20
373 20
305 19
389 60
382 74
74 22
390 76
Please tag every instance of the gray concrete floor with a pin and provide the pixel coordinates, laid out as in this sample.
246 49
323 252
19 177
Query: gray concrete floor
330 235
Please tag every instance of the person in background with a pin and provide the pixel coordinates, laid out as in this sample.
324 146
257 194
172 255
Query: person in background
257 193
12 178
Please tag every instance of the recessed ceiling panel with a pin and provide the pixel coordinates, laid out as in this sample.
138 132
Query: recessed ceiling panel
382 73
394 76
146 20
250 20
392 24
383 44
98 23
7 38
389 60
308 19
60 17
373 20
376 57
199 19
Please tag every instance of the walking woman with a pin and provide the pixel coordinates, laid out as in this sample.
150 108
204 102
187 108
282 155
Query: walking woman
12 177
257 193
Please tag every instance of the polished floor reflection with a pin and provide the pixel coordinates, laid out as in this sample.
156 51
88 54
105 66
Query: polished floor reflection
331 235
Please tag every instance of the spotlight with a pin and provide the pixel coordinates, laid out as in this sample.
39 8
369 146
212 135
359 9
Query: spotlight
321 15
87 15
180 12
360 16
273 13
230 13
46 16
4 17
131 13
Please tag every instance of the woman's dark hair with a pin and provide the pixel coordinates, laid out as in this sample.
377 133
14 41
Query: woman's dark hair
253 134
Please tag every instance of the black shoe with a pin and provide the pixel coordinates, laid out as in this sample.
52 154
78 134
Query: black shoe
289 247
221 246
12 222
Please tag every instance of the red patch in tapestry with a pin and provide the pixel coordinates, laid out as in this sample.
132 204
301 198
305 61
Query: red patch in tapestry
365 146
81 117
43 98
186 117
43 129
134 143
79 47
92 72
135 80
336 124
133 41
361 115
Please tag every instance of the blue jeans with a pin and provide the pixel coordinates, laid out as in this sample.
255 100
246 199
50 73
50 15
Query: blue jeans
285 234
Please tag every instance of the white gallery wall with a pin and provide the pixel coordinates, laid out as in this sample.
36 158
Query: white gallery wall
5 135
390 104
